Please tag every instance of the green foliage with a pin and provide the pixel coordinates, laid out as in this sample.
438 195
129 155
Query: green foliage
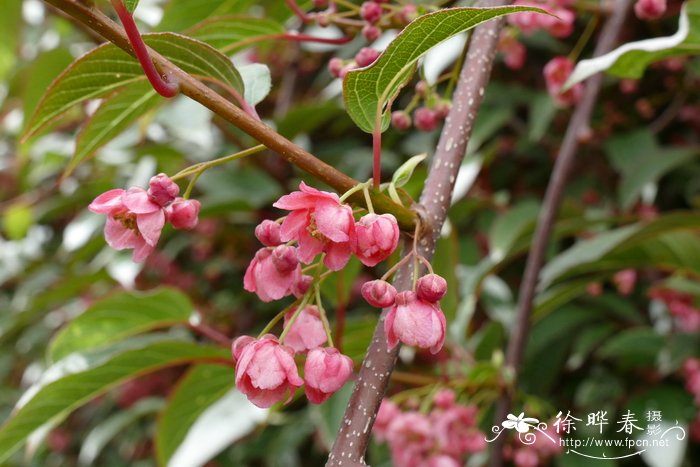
367 91
53 401
118 317
233 33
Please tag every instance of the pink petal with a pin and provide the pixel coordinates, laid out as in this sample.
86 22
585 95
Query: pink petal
337 256
309 247
293 224
137 201
107 202
150 225
118 236
141 251
334 221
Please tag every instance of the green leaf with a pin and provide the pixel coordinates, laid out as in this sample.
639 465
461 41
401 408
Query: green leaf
120 316
54 401
114 115
108 68
637 347
102 434
231 34
200 388
507 227
10 24
640 160
131 5
668 240
631 59
182 14
367 91
403 174
256 81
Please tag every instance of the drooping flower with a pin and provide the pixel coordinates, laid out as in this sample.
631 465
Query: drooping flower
377 237
326 370
273 273
386 414
307 332
133 220
319 222
556 72
183 213
415 322
265 370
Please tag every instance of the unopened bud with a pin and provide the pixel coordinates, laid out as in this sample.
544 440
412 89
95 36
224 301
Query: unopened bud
431 287
379 293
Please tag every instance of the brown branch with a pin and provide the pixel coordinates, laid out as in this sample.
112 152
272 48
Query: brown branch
199 92
373 378
579 122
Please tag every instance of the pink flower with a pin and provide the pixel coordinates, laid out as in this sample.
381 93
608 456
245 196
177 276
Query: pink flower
456 432
526 457
307 332
183 213
410 438
274 273
386 414
444 398
425 119
268 232
443 460
415 322
431 288
378 293
649 9
366 56
162 189
377 237
133 220
556 72
326 370
561 25
266 372
319 223
624 281
527 21
514 52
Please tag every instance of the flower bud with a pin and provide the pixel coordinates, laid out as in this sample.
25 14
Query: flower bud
377 238
366 56
268 232
326 370
408 13
378 293
371 12
425 119
162 189
431 287
649 9
371 32
400 120
284 258
183 213
335 66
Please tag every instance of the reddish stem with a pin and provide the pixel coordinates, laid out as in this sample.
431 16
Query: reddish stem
162 86
301 14
211 333
377 153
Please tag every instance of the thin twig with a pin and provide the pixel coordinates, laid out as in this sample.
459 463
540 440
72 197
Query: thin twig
199 92
375 372
550 206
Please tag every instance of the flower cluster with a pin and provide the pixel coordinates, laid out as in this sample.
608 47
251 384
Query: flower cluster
318 223
415 317
136 217
442 437
266 371
681 306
